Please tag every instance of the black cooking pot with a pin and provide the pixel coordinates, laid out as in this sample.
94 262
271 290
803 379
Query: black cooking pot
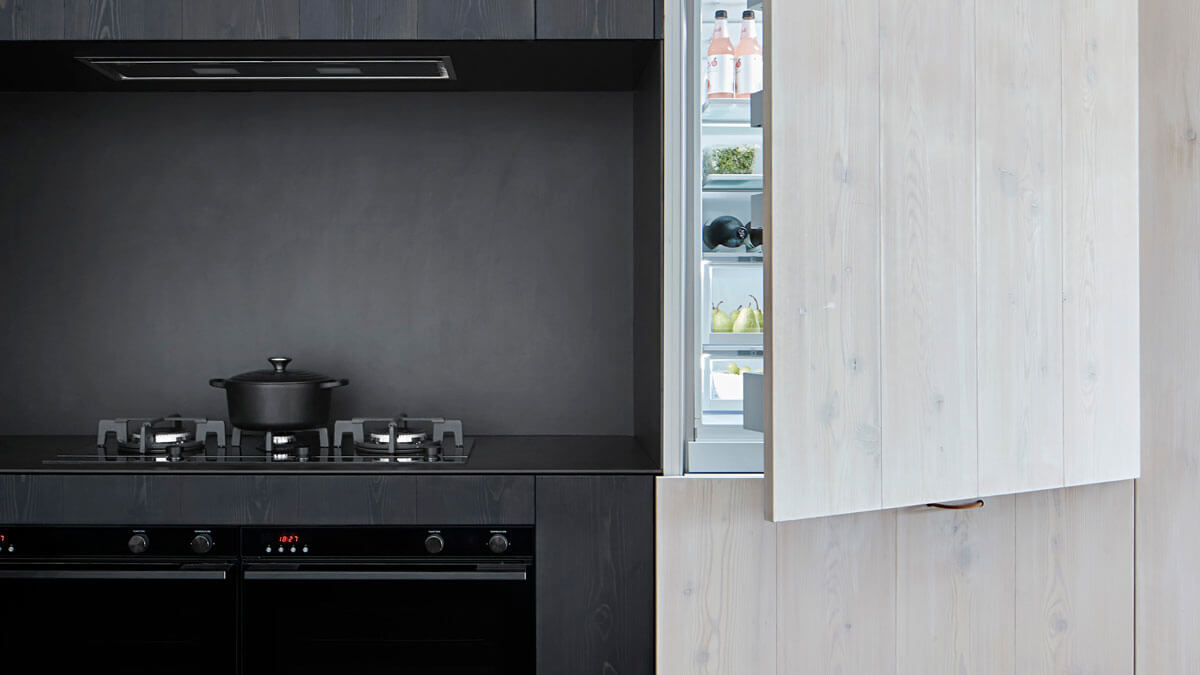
278 399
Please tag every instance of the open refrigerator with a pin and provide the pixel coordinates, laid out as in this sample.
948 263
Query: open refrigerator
724 256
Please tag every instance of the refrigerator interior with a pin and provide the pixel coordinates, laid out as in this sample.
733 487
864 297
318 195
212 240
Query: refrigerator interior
724 277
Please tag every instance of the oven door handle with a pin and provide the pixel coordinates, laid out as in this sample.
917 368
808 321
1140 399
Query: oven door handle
117 574
265 573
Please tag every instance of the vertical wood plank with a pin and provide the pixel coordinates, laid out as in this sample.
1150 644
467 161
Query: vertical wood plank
1168 551
241 19
1074 601
821 270
326 19
124 19
837 586
476 20
929 271
954 578
1100 237
715 577
31 19
1019 140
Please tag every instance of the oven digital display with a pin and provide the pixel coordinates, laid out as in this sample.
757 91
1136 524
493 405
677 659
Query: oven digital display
283 539
3 538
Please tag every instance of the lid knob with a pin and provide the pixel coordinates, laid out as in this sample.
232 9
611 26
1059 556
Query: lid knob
280 363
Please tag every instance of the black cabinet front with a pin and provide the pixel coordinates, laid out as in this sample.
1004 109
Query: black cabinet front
155 618
388 618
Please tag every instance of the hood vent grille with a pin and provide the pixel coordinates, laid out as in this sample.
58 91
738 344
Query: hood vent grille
247 69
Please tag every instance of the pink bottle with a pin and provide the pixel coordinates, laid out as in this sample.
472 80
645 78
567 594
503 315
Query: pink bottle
720 72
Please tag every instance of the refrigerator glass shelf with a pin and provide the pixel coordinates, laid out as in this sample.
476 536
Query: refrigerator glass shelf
723 182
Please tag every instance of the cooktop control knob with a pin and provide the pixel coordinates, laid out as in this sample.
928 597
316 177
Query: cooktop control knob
202 543
498 543
434 543
138 543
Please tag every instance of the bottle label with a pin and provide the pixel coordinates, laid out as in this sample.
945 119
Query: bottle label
749 73
720 74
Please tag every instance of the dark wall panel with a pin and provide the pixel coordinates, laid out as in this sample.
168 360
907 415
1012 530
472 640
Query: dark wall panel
457 254
647 259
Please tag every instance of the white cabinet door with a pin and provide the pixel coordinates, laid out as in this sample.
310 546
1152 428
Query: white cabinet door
951 272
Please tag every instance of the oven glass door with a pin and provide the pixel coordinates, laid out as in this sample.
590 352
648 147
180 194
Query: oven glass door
389 618
103 617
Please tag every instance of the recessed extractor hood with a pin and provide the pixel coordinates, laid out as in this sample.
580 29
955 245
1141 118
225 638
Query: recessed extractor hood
135 69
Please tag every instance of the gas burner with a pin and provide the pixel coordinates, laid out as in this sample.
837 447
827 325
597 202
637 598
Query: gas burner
393 439
172 435
293 445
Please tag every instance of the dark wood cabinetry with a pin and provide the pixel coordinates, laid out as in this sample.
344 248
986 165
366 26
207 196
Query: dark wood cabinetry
595 574
476 20
329 19
596 19
241 20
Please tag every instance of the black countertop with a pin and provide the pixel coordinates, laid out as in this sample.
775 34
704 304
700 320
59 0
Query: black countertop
491 455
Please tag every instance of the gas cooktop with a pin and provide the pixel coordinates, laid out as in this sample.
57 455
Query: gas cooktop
174 439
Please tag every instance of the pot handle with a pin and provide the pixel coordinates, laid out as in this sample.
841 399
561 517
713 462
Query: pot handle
330 384
217 382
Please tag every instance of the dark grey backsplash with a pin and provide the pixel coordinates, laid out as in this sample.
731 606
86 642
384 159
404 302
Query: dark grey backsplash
454 254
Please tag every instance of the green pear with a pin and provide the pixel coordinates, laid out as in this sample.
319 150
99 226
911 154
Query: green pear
721 322
758 312
733 368
747 321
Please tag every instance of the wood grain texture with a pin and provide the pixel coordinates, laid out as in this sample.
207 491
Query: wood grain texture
1074 580
837 588
1102 421
715 578
358 19
1019 174
241 19
821 273
1168 551
590 19
595 574
475 500
124 19
31 19
955 601
476 20
929 272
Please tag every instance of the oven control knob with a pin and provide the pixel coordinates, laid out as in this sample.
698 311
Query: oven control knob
202 543
138 543
498 543
434 543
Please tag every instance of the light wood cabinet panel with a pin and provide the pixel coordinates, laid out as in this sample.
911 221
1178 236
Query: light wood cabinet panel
1168 550
950 182
1019 145
1074 580
715 577
954 605
837 587
822 259
927 168
1100 240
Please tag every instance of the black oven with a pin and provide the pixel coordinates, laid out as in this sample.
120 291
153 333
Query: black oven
435 601
98 599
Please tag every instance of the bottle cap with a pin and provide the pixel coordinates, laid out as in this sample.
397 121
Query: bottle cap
748 14
722 14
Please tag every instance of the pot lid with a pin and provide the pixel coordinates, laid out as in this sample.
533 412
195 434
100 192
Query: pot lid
279 374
